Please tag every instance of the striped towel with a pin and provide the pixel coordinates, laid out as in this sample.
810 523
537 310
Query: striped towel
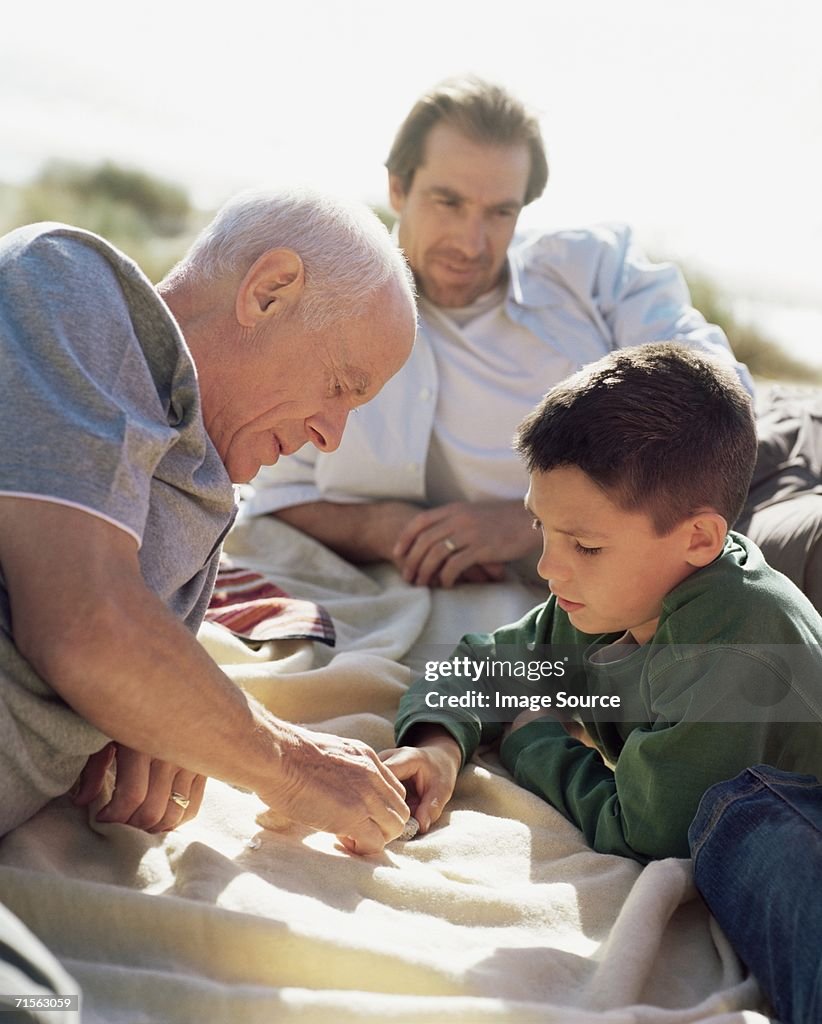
256 610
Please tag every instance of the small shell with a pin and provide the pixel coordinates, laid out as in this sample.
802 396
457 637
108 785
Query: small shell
412 827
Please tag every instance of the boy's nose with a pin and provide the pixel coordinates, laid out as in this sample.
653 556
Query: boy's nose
550 567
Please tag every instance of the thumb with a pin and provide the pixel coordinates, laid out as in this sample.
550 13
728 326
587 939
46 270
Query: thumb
431 804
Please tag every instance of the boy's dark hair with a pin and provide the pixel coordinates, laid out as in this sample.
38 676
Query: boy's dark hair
482 111
661 428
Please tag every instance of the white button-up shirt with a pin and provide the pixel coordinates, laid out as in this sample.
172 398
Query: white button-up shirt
572 296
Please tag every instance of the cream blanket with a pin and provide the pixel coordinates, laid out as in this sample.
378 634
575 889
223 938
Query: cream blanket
501 913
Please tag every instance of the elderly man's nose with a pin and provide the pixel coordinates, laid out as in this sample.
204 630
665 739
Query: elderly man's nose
325 429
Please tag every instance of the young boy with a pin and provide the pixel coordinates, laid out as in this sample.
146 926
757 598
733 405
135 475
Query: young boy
701 658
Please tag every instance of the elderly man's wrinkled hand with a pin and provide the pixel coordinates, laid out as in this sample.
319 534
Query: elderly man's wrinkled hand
463 542
339 785
148 793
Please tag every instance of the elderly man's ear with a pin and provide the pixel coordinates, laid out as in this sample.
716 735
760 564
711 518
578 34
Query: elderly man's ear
272 287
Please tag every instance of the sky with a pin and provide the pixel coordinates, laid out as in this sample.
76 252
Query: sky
698 123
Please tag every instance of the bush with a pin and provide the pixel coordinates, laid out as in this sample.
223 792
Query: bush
149 219
763 355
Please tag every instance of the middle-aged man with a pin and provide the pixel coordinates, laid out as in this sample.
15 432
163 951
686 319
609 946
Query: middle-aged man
127 414
427 477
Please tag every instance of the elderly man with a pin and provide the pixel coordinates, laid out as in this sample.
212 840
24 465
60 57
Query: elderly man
437 487
127 414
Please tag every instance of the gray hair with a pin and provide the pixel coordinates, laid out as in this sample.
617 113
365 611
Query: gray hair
347 253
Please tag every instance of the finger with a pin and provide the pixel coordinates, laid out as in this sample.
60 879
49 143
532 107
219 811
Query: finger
157 806
408 766
93 775
432 804
431 553
412 529
404 762
456 566
418 550
169 801
130 786
369 838
195 796
390 777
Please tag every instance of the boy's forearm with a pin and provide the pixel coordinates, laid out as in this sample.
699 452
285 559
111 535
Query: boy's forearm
572 777
418 715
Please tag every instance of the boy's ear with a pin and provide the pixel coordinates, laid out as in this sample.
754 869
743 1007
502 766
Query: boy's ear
272 285
707 532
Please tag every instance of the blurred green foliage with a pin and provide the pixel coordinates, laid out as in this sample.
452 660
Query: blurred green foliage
763 355
153 221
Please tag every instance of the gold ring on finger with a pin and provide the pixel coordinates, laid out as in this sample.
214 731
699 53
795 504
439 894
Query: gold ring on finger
450 546
180 800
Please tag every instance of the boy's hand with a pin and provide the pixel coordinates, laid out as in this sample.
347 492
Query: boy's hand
428 771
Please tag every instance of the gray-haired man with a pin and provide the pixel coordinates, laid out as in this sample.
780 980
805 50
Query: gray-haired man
127 414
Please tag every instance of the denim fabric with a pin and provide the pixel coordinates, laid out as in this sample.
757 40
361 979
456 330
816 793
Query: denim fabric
756 842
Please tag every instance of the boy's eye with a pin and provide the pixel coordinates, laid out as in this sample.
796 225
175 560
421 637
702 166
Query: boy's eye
586 551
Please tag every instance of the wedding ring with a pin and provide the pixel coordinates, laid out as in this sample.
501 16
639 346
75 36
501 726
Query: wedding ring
180 800
451 547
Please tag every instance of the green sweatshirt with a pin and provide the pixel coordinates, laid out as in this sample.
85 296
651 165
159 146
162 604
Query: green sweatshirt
731 678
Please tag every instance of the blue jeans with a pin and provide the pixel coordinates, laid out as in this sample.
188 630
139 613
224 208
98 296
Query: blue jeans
756 842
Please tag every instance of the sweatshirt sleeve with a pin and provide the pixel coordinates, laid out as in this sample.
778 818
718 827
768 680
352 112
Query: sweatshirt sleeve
476 721
713 722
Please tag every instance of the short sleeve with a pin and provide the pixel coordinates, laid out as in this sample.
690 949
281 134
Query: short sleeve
82 422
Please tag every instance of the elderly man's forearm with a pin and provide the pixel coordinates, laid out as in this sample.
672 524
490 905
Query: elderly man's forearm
131 669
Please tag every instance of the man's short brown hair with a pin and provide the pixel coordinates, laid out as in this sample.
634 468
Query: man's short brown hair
484 113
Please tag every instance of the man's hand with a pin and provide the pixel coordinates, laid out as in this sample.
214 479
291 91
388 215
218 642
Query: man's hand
429 771
86 622
464 541
143 789
338 785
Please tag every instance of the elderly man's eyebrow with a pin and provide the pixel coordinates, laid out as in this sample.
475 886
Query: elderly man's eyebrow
351 378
